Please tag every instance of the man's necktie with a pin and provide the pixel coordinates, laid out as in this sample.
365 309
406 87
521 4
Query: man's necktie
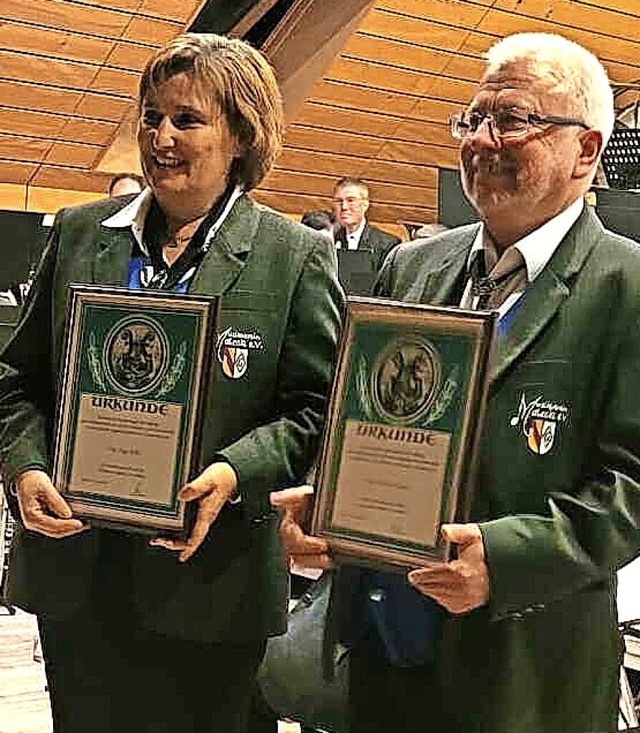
507 276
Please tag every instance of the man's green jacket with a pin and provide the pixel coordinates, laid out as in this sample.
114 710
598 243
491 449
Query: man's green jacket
558 484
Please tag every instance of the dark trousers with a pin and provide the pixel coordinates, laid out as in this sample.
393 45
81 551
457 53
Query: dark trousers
106 673
384 698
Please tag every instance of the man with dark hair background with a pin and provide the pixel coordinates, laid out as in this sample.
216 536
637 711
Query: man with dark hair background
320 220
124 183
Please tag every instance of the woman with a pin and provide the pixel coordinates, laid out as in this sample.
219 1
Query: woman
167 635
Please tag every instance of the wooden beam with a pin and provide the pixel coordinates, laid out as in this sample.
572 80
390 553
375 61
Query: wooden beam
16 172
364 146
456 14
307 40
181 12
74 155
153 31
128 55
13 197
251 17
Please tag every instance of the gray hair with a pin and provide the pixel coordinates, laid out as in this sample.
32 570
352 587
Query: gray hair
571 71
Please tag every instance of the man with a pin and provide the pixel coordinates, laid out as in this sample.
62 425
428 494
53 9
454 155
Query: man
524 634
350 204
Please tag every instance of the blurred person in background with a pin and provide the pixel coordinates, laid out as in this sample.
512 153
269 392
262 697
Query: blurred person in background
429 230
125 183
350 205
320 220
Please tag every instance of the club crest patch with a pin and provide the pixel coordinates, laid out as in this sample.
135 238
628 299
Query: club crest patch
540 419
233 348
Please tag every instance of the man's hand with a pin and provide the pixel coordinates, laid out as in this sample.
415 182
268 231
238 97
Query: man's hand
42 508
303 550
460 585
211 489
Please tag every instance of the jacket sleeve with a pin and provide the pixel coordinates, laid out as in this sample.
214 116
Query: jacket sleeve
27 400
281 452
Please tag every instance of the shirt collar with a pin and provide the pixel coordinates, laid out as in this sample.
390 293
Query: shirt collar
357 233
538 247
133 215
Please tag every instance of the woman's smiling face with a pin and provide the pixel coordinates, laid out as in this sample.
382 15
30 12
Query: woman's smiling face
186 147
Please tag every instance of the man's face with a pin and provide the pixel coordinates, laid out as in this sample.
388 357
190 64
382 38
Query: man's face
186 147
519 183
350 204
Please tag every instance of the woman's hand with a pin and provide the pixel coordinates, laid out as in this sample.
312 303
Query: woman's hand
211 489
42 507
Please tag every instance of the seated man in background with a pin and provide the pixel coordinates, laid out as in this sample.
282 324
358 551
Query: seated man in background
350 204
518 632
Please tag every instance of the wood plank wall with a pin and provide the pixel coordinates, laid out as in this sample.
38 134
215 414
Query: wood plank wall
68 74
379 110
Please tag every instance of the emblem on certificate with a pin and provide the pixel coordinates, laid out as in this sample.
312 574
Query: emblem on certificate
400 439
132 390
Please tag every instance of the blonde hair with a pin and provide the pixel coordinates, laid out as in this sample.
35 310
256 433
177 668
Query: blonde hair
571 71
241 82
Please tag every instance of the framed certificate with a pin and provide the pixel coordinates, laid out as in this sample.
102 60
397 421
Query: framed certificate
133 381
400 439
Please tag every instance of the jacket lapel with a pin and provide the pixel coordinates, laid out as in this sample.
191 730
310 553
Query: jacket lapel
220 268
444 283
548 292
111 265
364 242
226 258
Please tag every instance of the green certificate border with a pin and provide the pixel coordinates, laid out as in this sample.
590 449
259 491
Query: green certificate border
132 388
401 434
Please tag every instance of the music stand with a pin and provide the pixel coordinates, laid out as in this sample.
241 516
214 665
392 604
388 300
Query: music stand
621 159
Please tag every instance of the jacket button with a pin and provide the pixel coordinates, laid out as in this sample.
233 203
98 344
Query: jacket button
376 595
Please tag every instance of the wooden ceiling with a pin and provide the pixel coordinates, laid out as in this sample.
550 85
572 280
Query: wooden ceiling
379 110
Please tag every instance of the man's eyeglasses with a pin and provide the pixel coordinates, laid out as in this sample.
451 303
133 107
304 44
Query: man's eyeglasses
506 124
348 201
